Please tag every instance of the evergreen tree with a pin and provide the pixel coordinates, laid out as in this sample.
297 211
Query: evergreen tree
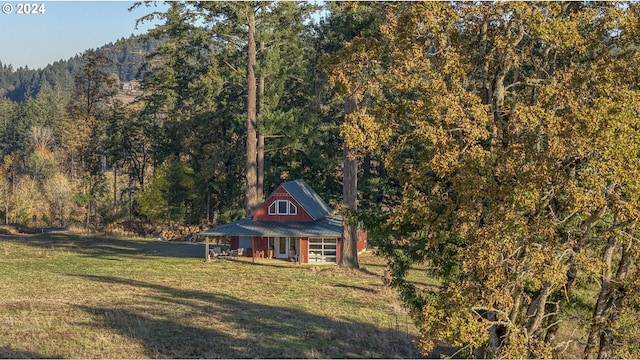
269 41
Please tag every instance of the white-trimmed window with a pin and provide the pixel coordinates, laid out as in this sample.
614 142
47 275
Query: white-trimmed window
282 207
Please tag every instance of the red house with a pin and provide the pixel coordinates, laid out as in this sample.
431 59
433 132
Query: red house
292 220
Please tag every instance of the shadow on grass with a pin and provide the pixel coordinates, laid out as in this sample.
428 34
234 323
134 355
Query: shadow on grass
382 266
9 353
235 328
283 264
360 288
108 247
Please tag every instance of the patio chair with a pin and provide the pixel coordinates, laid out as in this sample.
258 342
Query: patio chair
236 253
227 253
293 255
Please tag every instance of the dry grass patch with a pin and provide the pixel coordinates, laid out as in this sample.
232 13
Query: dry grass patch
91 297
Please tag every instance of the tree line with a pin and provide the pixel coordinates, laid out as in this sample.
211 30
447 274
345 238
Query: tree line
178 151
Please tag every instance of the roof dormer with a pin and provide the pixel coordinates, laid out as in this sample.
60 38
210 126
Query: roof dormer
292 201
282 207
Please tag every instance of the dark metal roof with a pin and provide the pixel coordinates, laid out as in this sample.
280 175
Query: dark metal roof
330 226
324 224
310 201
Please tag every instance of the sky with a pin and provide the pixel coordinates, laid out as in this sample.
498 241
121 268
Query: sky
63 30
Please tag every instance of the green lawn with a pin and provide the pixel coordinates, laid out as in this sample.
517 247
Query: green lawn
68 296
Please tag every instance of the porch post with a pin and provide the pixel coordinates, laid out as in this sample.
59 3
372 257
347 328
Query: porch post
206 248
253 249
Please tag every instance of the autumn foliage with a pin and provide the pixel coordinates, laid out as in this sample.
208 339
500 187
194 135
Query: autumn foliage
512 129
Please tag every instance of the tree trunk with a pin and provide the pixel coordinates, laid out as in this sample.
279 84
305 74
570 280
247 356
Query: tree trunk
536 310
349 248
487 91
366 166
61 214
115 186
260 185
349 253
209 206
564 294
496 342
252 169
130 198
598 318
486 83
616 295
260 190
86 222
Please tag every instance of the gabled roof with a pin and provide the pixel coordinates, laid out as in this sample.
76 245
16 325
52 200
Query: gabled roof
330 226
324 224
310 201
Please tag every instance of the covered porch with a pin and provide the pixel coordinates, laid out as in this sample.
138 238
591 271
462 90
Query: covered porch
280 248
302 242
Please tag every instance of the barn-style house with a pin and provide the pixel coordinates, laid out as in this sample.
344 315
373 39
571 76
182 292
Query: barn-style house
293 222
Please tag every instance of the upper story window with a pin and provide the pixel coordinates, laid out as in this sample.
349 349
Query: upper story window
282 207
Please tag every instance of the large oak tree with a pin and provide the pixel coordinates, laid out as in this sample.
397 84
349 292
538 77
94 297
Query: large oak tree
513 131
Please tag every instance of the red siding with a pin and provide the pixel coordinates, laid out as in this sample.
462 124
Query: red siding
362 241
262 243
256 244
304 250
281 194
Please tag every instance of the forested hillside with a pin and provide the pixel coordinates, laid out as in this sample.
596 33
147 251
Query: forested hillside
127 55
497 143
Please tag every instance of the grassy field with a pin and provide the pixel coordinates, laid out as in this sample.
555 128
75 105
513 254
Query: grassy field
67 296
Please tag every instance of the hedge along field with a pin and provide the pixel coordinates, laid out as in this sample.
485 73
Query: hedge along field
68 296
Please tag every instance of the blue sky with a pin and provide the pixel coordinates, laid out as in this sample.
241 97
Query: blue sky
65 29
